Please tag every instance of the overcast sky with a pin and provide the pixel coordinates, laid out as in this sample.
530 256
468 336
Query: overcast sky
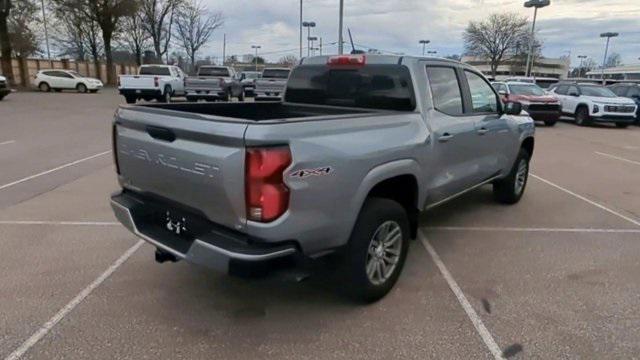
397 25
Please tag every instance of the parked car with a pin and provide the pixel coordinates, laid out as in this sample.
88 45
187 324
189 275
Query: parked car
160 82
4 87
630 91
214 83
58 80
248 79
236 185
589 103
534 100
543 82
271 84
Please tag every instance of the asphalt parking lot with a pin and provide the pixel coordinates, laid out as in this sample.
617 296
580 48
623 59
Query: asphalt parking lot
555 276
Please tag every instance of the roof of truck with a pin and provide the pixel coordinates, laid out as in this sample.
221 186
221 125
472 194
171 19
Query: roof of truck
375 59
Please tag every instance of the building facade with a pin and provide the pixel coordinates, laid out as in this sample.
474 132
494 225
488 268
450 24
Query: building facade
557 68
627 72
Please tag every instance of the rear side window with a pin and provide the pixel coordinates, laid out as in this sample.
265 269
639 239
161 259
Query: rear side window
483 98
207 71
155 70
376 86
634 92
562 89
275 74
445 90
619 90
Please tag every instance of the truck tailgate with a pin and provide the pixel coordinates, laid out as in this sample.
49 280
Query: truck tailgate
201 83
188 159
137 82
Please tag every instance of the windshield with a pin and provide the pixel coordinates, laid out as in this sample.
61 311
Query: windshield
386 87
533 90
155 70
275 74
209 71
597 91
251 75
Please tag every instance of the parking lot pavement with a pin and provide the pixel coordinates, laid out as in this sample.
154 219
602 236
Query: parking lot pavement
554 276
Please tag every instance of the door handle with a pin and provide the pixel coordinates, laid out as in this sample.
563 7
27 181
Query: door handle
482 131
445 137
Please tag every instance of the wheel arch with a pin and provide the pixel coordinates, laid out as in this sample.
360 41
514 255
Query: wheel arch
528 144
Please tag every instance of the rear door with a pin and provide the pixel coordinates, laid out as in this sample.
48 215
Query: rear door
561 94
571 99
453 166
188 159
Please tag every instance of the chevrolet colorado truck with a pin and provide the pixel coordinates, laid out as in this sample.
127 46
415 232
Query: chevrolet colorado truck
271 85
160 82
214 83
359 147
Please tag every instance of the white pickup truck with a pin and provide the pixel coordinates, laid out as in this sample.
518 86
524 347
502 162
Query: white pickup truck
160 82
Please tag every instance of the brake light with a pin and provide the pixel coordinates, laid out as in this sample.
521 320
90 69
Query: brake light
114 145
156 81
347 60
266 195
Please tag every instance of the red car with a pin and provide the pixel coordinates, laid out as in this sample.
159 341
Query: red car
535 101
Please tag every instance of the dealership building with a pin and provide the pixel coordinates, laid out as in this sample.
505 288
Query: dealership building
542 67
627 72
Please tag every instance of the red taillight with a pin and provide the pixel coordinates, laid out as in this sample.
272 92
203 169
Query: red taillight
156 81
347 60
266 194
114 144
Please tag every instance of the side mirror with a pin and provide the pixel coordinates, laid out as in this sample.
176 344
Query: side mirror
502 92
512 108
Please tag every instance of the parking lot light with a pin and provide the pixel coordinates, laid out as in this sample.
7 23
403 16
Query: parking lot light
308 25
256 47
424 45
607 35
534 4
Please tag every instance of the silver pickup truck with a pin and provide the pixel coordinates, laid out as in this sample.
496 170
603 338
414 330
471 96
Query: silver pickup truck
344 165
271 85
214 83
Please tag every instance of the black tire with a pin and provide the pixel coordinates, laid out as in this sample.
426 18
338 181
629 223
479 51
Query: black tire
622 125
582 116
44 87
375 213
550 122
130 99
192 99
82 88
510 189
241 96
166 95
227 95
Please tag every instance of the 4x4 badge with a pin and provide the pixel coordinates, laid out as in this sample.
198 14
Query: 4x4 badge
311 172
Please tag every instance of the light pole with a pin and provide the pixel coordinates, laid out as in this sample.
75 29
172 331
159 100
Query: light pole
581 57
46 31
424 45
300 29
534 4
340 27
311 40
256 47
308 25
608 35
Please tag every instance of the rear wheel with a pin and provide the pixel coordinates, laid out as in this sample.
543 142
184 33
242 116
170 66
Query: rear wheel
241 96
44 87
510 189
82 88
130 99
377 250
582 116
166 96
622 125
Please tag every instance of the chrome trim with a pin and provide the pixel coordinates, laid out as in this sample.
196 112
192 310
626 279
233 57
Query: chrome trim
225 252
429 207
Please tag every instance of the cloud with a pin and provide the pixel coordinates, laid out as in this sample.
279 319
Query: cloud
398 25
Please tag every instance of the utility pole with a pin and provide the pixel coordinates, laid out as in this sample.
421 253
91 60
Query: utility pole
320 46
608 35
534 4
309 25
46 31
340 35
300 29
224 49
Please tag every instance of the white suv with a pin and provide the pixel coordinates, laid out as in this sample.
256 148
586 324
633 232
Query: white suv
58 80
594 103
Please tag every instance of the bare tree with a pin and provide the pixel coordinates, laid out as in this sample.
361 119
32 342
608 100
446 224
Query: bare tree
158 18
22 28
288 60
194 27
494 37
5 41
613 60
133 37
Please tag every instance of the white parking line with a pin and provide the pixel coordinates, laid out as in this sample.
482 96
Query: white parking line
44 329
56 223
523 229
462 299
631 220
618 158
2 187
7 142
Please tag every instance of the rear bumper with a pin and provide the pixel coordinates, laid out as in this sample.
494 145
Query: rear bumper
212 246
140 92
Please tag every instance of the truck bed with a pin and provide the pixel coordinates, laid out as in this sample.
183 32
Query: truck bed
259 111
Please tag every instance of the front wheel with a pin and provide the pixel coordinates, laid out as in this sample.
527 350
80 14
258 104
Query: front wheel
582 116
44 87
82 88
510 189
622 125
377 250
